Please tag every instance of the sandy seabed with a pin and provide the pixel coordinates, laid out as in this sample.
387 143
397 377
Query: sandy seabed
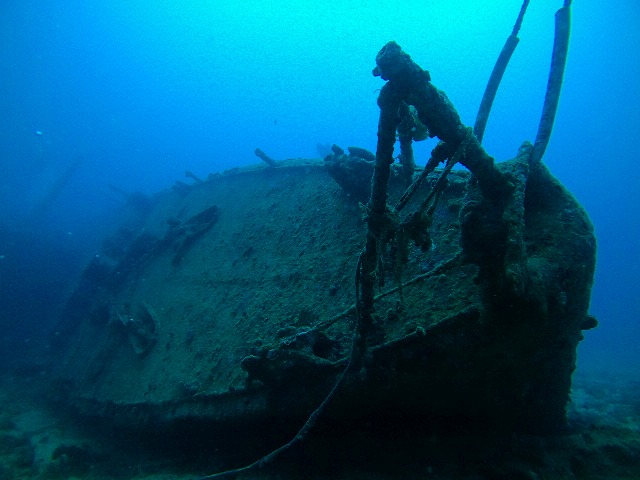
38 441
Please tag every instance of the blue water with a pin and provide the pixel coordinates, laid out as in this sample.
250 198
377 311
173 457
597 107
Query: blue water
139 91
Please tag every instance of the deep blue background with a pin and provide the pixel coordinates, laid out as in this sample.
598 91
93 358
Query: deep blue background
138 91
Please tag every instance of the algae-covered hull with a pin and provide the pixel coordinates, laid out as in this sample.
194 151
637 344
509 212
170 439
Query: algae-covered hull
232 301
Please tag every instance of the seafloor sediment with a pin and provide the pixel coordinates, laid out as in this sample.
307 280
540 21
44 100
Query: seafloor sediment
38 441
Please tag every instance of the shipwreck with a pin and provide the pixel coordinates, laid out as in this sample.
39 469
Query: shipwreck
350 287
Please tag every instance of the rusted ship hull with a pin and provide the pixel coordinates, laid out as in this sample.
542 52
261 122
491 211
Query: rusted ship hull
231 301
